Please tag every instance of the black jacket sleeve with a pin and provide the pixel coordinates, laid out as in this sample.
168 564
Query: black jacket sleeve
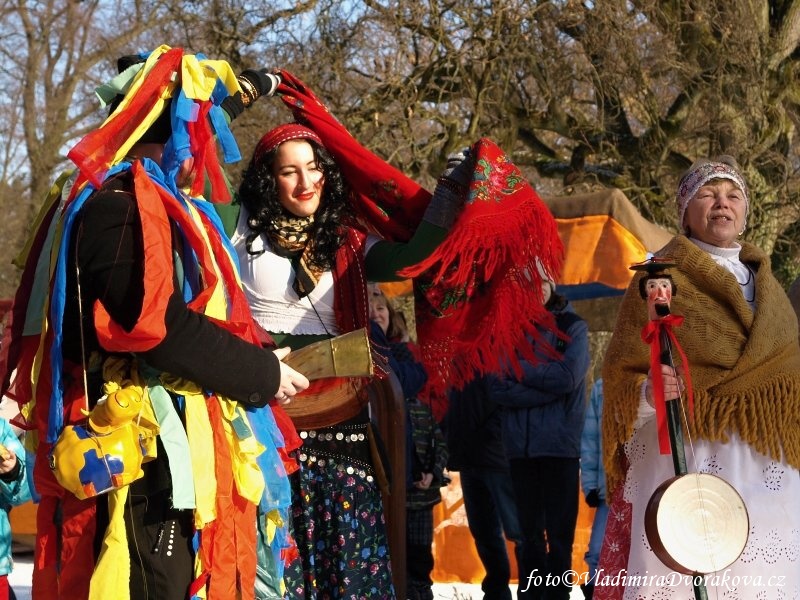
111 257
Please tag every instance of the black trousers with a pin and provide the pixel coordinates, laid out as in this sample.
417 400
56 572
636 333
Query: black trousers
419 553
546 492
159 537
492 515
160 542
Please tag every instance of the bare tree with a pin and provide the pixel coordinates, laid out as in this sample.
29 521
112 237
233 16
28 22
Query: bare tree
52 55
615 93
57 52
622 93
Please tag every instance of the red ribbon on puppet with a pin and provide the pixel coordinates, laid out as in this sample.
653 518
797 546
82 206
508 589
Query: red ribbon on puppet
651 334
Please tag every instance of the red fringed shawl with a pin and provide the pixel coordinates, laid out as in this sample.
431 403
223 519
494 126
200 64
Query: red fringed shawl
477 297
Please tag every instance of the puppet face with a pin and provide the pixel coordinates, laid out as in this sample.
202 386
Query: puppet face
300 180
659 296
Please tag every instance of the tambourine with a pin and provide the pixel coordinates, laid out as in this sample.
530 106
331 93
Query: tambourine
325 405
696 523
339 369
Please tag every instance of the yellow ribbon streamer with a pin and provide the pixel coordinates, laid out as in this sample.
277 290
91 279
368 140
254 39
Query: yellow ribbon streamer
201 447
112 573
244 451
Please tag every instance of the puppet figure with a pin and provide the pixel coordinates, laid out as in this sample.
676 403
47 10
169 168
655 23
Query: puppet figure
657 288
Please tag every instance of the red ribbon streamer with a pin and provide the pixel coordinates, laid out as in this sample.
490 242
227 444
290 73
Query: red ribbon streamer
651 334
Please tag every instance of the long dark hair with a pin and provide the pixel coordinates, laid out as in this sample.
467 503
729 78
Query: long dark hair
258 193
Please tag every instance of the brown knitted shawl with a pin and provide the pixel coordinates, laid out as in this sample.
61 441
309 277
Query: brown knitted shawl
745 365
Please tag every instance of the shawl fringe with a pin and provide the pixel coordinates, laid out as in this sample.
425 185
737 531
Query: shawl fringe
745 365
487 291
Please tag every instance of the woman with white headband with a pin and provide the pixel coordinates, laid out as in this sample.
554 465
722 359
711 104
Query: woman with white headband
740 338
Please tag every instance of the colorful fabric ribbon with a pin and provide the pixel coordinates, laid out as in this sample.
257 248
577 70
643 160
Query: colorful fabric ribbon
651 335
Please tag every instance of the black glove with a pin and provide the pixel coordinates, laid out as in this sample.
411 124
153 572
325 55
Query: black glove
593 498
448 197
254 83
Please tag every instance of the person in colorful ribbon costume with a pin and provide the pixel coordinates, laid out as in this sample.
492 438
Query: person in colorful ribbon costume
739 335
139 290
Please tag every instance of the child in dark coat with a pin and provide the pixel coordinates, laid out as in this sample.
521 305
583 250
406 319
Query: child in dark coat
429 457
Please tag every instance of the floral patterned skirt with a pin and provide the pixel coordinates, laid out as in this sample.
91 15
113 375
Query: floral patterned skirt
337 522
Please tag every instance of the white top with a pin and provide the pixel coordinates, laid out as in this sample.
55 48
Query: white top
267 283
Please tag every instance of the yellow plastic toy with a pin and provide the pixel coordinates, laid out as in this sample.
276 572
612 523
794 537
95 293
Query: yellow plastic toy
106 454
119 409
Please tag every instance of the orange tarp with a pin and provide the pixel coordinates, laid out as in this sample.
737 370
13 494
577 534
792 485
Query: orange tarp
598 249
611 203
603 234
23 523
397 288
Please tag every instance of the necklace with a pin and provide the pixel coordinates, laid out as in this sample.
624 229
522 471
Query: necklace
311 304
746 284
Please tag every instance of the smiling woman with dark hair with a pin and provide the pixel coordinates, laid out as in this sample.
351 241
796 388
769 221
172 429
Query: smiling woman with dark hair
305 263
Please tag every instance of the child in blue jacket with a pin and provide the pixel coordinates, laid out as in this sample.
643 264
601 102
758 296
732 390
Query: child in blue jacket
14 491
593 481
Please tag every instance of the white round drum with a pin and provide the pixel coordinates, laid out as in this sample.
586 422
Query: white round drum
696 523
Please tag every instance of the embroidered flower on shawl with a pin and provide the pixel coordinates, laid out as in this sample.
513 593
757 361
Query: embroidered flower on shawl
386 188
444 300
492 177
